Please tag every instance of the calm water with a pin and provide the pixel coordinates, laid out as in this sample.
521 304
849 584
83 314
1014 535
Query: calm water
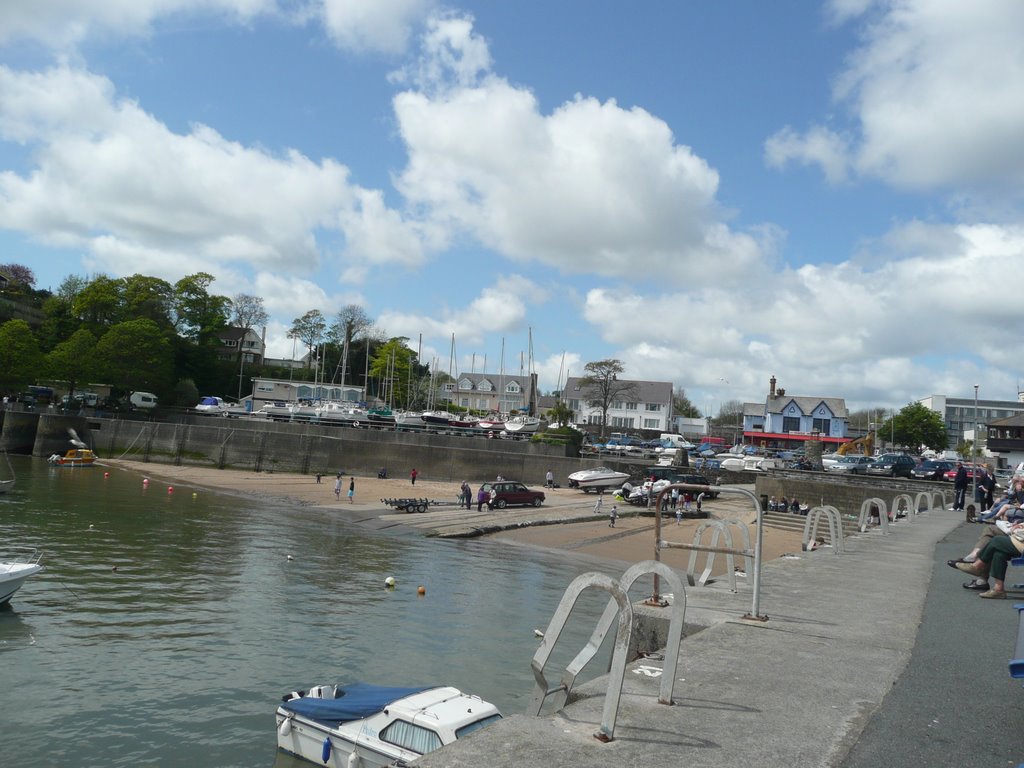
178 657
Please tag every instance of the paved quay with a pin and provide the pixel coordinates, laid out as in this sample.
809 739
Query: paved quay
839 675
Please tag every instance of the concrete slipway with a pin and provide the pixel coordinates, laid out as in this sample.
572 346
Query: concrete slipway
839 675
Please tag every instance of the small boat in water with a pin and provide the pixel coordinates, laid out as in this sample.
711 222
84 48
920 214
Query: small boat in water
76 457
13 573
372 726
598 477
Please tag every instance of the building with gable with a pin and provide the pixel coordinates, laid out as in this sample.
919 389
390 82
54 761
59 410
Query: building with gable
787 421
648 406
253 345
493 393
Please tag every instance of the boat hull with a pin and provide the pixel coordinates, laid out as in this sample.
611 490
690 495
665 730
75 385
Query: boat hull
591 479
305 739
13 576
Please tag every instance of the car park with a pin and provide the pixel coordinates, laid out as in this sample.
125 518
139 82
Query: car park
850 465
509 493
891 464
932 469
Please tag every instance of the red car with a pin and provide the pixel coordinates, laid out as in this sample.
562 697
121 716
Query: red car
507 493
951 474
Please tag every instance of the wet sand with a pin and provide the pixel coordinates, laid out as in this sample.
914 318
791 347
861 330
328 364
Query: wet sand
565 523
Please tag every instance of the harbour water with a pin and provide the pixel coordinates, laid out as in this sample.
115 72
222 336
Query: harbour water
167 625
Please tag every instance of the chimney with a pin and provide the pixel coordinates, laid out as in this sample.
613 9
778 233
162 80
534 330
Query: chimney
771 392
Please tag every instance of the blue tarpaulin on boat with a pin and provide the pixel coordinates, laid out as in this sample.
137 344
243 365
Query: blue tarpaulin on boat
353 702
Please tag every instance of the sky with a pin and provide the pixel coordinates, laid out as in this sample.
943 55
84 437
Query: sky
712 193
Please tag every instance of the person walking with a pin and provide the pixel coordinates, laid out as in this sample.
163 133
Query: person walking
481 497
318 476
986 489
959 487
337 487
413 475
465 495
679 515
549 479
351 489
612 516
599 504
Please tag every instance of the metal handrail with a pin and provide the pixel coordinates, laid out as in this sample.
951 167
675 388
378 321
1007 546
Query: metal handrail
756 606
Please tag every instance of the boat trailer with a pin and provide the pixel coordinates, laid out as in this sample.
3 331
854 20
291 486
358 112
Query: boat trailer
415 505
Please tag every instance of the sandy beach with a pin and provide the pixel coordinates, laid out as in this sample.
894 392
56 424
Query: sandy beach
565 523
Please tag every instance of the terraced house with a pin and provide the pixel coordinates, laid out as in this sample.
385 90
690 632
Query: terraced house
787 421
489 392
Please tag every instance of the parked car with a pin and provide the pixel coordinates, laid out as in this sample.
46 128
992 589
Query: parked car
510 492
932 469
851 465
950 474
892 464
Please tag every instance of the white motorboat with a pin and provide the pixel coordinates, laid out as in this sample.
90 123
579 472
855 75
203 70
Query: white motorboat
370 726
408 419
13 573
596 478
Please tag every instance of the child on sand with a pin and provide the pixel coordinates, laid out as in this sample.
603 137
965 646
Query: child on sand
612 515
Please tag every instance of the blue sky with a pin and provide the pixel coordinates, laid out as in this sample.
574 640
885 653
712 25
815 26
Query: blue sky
711 192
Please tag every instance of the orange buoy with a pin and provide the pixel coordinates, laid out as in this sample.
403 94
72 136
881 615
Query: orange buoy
421 590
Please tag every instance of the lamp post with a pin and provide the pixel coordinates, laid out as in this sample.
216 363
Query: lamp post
974 449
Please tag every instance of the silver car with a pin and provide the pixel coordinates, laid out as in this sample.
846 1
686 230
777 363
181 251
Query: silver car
851 465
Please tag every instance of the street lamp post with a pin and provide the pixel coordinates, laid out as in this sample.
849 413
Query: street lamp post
974 450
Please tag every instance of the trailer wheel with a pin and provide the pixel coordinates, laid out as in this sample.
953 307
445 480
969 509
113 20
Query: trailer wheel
421 508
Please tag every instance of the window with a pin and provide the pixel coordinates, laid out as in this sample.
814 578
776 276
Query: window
622 421
822 425
485 386
413 737
449 387
574 405
513 388
655 407
630 406
264 386
616 405
230 342
464 402
790 423
465 384
652 423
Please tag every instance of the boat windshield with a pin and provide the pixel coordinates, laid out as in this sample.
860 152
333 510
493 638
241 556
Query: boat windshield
477 725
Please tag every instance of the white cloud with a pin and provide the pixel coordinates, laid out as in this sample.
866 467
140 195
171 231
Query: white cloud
935 93
373 25
882 325
60 24
113 180
591 187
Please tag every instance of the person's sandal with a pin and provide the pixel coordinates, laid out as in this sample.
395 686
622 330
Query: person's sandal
975 586
993 594
971 568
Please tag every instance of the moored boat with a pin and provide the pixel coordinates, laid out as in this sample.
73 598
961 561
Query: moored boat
76 457
14 572
373 726
381 416
596 478
408 419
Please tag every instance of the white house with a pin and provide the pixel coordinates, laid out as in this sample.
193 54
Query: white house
648 406
500 393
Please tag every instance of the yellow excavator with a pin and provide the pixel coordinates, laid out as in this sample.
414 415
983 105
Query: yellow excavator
866 445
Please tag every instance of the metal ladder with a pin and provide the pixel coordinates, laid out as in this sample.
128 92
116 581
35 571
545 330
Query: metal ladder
619 608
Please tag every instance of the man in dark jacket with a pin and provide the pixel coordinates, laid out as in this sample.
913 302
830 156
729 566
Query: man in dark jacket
986 489
959 487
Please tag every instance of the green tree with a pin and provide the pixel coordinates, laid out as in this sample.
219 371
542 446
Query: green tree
350 323
681 405
390 367
20 356
195 312
560 414
135 355
601 386
72 360
309 329
916 426
98 304
148 297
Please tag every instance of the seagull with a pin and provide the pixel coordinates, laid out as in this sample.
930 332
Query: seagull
538 633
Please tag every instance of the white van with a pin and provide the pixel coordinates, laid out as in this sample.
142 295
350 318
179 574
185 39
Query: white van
678 441
142 400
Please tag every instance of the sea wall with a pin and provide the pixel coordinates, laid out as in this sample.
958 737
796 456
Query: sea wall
844 492
309 448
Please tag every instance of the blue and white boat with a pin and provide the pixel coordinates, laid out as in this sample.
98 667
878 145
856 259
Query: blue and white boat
371 726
